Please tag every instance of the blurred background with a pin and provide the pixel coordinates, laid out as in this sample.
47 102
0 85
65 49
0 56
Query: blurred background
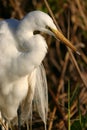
67 84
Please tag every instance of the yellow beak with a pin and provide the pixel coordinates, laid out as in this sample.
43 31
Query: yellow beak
60 36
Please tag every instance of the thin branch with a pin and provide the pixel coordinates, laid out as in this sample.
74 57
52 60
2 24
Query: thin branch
52 15
70 52
15 4
81 12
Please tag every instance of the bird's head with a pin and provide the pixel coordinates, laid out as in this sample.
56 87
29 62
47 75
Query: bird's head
40 21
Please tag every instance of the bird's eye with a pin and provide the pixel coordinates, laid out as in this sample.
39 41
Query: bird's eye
36 32
47 27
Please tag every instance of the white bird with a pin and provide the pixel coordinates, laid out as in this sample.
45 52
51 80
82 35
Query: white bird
22 77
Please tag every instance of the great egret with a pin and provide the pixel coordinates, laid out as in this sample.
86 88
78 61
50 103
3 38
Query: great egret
22 77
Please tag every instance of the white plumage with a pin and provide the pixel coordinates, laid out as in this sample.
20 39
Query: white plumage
22 77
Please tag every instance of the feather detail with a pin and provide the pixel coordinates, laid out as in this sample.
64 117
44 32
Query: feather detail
37 93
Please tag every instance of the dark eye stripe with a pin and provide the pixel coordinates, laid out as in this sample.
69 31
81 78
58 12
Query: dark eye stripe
36 32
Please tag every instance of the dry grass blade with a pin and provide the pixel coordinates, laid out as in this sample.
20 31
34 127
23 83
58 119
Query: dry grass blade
73 58
62 114
60 64
81 12
15 4
59 88
78 69
52 15
63 73
84 57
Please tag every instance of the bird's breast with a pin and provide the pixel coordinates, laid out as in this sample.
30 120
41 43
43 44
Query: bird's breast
11 95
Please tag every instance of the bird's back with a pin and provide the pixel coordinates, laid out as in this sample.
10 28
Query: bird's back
7 35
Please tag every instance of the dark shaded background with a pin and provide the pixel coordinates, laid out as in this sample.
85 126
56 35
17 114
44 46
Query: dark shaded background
60 68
